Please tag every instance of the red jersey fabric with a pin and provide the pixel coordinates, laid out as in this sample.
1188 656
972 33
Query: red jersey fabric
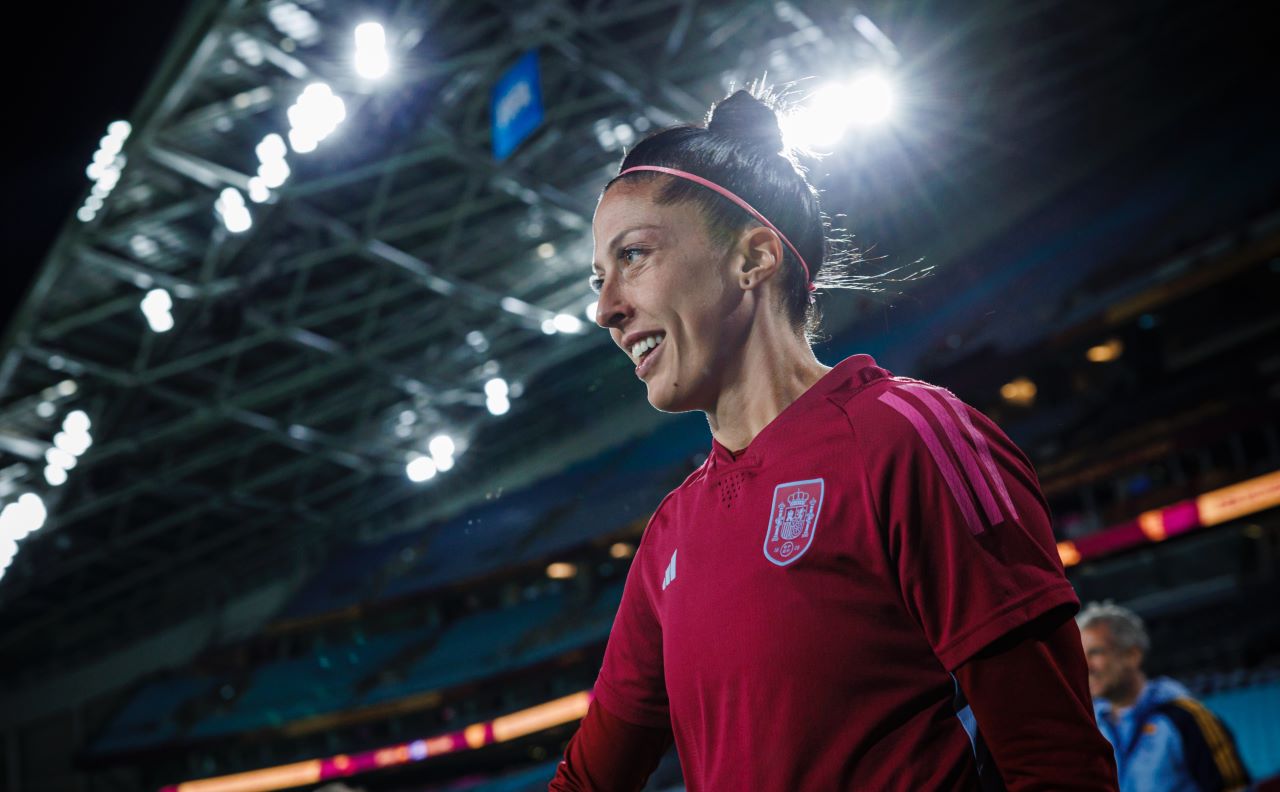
794 614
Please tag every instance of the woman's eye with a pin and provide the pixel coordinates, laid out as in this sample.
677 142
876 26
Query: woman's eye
596 283
629 255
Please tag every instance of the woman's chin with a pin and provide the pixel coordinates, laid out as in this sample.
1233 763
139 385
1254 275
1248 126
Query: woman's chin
664 398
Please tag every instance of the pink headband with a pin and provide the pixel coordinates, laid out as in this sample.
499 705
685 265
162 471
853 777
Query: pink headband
748 208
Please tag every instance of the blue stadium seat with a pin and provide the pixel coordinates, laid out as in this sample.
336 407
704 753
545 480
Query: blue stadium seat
471 648
301 687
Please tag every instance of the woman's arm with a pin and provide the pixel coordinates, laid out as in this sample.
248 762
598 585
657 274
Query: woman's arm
608 754
1030 696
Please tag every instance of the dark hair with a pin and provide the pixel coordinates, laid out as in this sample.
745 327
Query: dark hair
741 149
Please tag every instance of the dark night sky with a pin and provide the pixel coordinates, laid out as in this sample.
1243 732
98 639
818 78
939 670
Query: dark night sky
90 66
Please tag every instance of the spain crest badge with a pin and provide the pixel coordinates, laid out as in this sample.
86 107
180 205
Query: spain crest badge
792 520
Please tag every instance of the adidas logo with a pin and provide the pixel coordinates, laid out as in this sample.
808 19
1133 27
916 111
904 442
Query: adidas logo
671 572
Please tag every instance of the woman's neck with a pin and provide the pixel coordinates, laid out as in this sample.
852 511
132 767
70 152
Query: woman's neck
773 369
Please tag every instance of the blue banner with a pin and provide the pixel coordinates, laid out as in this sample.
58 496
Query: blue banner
515 107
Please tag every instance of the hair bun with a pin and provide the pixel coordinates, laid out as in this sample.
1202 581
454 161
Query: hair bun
745 117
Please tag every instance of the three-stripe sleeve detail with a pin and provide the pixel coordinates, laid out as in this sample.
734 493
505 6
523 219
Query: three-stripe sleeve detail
976 473
940 457
1224 754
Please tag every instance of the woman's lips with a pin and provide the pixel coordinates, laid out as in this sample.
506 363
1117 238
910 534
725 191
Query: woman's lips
646 363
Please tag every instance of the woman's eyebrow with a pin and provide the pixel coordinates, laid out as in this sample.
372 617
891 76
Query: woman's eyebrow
613 243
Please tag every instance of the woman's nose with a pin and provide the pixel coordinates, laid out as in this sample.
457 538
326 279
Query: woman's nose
611 309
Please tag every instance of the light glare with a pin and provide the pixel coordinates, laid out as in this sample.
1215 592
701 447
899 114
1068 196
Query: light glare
498 405
58 458
561 570
496 387
831 110
372 61
441 446
258 190
567 323
420 469
872 98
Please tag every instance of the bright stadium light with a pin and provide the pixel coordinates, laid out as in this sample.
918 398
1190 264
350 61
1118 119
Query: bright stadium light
295 22
273 173
549 326
872 97
442 449
75 443
441 445
496 388
301 142
567 323
155 307
231 208
498 405
258 190
372 61
23 517
314 116
59 458
105 168
561 570
420 469
108 147
590 310
109 179
834 108
271 148
157 300
160 323
55 475
119 129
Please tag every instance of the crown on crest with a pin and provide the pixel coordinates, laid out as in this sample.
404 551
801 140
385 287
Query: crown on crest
798 498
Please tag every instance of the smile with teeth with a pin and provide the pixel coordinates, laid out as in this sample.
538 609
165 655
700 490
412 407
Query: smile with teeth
640 348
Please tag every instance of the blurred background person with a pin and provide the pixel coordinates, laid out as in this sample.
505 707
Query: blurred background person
1164 739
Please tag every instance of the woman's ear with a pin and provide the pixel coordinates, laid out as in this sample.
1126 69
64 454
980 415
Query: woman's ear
761 251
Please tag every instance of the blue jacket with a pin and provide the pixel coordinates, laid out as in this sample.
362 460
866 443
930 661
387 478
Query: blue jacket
1169 742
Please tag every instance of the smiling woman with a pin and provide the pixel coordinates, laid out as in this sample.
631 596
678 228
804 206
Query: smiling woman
867 581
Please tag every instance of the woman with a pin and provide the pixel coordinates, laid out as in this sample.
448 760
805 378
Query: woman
859 589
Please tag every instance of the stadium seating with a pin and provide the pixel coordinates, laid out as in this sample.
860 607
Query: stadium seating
148 718
470 648
319 682
1251 712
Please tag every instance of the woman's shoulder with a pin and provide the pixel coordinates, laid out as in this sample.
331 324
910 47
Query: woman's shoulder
897 411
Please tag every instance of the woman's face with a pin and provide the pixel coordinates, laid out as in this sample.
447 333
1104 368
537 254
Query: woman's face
662 277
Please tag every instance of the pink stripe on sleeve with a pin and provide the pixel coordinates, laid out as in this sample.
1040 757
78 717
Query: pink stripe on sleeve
977 480
945 465
984 451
